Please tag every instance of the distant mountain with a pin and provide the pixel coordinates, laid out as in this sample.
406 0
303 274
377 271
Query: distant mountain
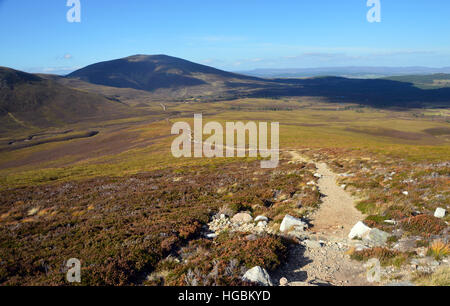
28 101
141 80
353 72
152 72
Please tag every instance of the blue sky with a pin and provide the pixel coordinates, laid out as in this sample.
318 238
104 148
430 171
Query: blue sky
229 34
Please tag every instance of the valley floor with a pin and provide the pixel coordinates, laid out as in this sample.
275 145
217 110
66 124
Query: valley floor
135 215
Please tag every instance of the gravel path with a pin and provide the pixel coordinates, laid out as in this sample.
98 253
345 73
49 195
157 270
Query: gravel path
321 260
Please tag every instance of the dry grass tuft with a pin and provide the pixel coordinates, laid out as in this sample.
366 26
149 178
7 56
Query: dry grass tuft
439 249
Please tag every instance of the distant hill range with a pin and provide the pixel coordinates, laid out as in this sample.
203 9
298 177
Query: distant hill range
349 72
173 79
128 86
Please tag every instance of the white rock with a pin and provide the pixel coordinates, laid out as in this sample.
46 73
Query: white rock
318 175
258 275
359 231
312 183
262 224
261 218
392 222
346 174
405 193
284 282
242 218
290 223
211 236
343 186
440 213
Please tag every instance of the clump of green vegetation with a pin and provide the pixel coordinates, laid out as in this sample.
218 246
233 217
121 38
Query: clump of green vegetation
366 207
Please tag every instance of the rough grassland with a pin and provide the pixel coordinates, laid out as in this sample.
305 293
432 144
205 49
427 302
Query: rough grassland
125 228
303 125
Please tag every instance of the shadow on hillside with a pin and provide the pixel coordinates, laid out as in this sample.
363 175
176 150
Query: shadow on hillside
373 92
292 267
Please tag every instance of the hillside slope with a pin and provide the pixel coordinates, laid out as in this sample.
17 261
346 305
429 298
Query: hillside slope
28 101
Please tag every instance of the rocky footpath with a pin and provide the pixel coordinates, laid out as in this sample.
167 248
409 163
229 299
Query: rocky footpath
327 242
329 257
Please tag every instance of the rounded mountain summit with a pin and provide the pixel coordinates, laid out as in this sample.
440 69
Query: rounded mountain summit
151 72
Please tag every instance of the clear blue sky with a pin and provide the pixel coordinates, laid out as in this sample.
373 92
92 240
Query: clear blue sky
228 34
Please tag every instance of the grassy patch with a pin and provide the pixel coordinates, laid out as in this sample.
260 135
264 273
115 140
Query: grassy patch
439 278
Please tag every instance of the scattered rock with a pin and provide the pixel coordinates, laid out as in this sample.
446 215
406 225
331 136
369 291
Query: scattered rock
376 237
398 232
392 222
426 261
346 174
261 218
290 223
422 251
242 218
359 230
262 224
361 247
440 213
258 275
284 282
406 245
